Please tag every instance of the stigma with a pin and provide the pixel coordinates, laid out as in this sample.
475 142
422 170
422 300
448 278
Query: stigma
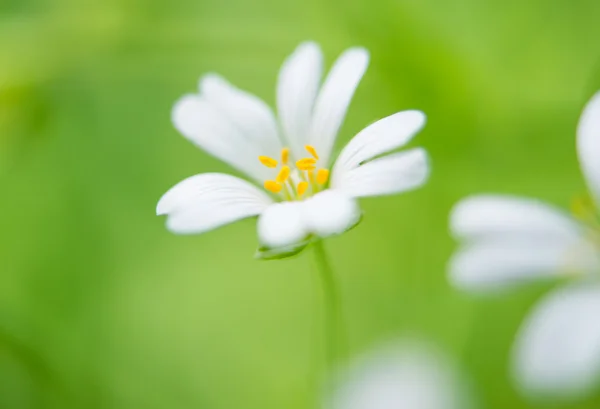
297 180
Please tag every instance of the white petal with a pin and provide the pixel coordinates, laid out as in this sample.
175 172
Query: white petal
378 138
330 212
492 215
558 348
494 264
204 202
297 89
401 376
281 225
588 145
334 99
391 174
230 125
251 116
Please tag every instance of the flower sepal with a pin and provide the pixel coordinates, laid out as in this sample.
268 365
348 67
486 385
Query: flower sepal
277 253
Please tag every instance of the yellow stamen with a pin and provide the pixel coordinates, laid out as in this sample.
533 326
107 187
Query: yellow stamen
285 155
283 175
311 149
267 161
302 186
311 176
306 164
322 176
272 186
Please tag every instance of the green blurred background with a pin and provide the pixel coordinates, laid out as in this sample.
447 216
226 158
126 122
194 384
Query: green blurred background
101 307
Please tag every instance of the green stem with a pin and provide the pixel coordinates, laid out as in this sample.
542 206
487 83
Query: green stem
334 326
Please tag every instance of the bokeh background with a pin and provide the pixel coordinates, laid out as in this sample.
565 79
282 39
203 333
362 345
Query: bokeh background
101 307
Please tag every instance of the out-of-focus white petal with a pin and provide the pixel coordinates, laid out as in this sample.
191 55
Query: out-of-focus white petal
230 125
282 225
493 215
330 212
493 264
297 88
334 98
402 376
204 202
558 347
588 145
378 138
390 174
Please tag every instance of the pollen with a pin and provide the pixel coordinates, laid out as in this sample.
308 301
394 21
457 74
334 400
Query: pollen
322 176
273 186
295 179
311 149
285 155
306 164
268 161
302 186
283 175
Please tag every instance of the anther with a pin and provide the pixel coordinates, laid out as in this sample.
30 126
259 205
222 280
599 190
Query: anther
306 164
268 161
302 186
311 149
322 176
283 175
272 186
285 155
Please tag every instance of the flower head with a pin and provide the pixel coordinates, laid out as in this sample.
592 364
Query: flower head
299 192
510 240
405 374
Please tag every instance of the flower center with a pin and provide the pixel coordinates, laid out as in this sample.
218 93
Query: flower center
296 183
584 210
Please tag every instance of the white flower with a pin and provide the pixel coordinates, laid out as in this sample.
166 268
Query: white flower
402 375
509 240
290 158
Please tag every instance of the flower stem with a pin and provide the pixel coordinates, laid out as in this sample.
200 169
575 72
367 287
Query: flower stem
334 326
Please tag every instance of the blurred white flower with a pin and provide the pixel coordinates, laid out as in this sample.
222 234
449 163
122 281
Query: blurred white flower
402 375
509 240
291 157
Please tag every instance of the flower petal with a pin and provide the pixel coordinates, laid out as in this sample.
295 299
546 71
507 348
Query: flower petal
378 138
230 124
391 174
401 376
282 225
203 202
330 212
493 215
334 98
494 264
558 347
250 115
297 89
588 145
289 223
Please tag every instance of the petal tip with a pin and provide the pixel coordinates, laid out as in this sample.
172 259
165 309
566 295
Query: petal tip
419 115
308 46
361 55
210 81
163 205
184 112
